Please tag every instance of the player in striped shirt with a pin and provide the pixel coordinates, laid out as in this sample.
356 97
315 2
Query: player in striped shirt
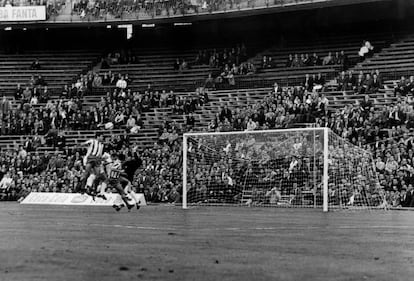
115 180
93 164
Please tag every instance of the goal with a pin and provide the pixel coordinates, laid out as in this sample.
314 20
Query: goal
306 167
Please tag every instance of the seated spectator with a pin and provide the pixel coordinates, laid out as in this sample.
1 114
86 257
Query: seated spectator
376 84
97 81
351 82
183 66
121 83
40 81
319 82
315 60
401 88
27 95
296 61
6 182
209 83
365 51
44 95
273 196
366 104
35 65
225 113
410 86
367 84
308 83
267 62
342 82
34 100
251 125
336 59
328 60
307 60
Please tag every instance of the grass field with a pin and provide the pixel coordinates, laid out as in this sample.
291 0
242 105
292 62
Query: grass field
204 243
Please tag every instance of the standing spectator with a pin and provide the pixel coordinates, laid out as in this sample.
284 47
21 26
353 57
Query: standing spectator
190 121
18 94
5 106
344 60
289 62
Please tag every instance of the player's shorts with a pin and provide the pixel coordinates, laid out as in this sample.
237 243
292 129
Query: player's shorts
94 161
115 183
101 177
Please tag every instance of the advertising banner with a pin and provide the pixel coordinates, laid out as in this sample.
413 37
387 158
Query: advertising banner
26 13
51 198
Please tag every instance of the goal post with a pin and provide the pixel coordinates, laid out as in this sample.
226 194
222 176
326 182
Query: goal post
300 167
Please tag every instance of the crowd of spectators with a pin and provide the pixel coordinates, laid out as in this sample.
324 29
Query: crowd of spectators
101 9
387 133
129 8
340 58
25 170
404 86
119 57
368 83
229 62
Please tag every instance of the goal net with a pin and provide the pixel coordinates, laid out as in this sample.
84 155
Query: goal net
308 167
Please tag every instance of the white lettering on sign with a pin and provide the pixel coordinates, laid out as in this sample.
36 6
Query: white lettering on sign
32 13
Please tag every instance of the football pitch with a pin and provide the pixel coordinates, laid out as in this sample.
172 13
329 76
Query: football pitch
203 243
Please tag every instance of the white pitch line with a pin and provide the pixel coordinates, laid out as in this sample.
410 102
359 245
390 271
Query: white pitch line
239 229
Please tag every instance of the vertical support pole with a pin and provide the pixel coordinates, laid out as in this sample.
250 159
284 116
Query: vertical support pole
315 184
185 149
325 168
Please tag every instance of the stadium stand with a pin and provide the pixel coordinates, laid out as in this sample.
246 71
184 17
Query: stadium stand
173 107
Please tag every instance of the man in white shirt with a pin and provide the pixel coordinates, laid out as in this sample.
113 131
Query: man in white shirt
6 181
121 84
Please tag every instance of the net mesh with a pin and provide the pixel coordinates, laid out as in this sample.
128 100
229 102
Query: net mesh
353 180
278 168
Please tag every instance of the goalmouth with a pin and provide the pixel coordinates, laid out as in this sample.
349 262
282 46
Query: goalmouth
306 167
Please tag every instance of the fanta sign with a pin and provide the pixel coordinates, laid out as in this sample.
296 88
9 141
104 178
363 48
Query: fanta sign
52 198
28 13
